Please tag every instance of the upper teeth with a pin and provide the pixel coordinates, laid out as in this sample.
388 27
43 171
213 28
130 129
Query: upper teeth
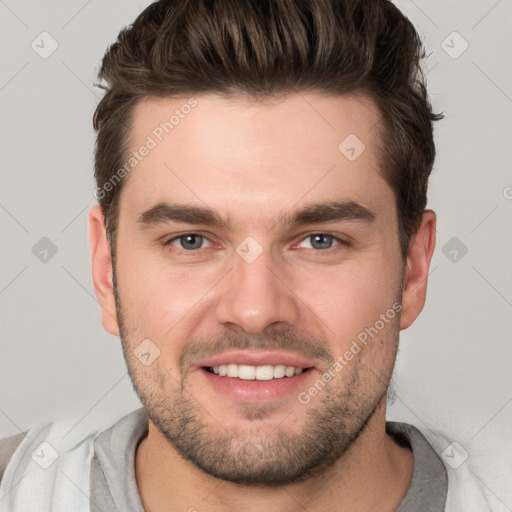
246 372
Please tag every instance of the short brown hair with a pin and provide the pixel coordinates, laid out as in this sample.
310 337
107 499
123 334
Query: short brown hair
263 48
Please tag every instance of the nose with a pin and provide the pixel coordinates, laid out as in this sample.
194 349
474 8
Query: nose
256 295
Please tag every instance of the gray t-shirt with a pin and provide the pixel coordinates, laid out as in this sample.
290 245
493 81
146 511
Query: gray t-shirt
114 487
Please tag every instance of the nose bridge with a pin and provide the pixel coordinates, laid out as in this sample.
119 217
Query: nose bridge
255 295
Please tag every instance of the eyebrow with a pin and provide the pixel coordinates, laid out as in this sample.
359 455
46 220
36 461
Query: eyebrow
317 213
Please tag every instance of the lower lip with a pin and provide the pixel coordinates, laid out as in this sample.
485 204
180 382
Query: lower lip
258 390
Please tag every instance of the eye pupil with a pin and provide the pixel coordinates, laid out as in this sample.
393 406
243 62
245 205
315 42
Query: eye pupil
185 239
193 241
323 240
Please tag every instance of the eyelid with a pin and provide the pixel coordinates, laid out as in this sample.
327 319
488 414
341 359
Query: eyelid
343 241
177 236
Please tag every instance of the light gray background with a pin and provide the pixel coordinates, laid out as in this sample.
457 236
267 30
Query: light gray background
453 370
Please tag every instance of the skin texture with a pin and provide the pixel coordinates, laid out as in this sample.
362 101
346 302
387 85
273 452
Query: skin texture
253 163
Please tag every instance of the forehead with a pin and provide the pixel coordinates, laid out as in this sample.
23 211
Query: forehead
238 155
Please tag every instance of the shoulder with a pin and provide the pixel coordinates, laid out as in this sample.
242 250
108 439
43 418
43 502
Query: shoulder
479 475
8 446
38 465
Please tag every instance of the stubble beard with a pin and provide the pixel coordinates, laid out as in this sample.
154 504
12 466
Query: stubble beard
261 456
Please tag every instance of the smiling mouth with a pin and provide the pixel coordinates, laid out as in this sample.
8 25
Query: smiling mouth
247 372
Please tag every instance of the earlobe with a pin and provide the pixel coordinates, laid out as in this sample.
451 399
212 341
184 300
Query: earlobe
102 270
421 249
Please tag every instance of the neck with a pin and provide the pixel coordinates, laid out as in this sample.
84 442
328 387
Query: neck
373 474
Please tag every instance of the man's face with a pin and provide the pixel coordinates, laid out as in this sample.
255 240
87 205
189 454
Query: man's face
258 290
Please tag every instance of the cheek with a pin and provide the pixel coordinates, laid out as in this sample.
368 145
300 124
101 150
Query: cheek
160 292
350 298
160 302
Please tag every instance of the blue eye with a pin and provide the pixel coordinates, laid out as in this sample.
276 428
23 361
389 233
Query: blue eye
188 241
193 242
323 241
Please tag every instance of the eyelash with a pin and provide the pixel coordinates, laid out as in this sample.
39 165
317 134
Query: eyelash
342 243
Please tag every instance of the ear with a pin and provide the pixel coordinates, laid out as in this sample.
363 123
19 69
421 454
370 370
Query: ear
102 270
421 248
